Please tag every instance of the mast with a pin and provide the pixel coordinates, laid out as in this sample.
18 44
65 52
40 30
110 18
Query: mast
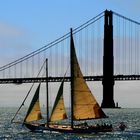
47 95
72 74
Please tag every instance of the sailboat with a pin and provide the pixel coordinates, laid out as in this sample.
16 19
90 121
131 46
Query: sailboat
83 105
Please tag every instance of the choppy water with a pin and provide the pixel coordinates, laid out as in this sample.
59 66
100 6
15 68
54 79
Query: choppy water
10 131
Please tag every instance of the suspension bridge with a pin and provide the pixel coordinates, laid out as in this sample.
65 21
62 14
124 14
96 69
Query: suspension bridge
107 47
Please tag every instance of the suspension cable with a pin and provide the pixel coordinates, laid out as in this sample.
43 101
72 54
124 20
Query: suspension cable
91 21
131 20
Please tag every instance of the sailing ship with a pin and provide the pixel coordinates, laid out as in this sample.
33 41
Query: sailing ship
83 105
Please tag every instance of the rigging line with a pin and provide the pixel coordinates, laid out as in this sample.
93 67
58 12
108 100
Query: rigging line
126 18
27 93
53 42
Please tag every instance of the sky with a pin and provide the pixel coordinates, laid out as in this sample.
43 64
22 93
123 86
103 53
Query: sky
27 25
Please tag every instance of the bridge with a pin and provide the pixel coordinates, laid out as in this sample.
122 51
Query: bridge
107 47
67 79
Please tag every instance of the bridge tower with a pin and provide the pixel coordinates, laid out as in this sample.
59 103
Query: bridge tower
108 62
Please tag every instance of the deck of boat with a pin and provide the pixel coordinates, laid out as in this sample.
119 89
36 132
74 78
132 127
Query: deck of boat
66 127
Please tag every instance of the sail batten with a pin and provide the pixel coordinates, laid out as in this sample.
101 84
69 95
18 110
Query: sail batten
84 104
34 111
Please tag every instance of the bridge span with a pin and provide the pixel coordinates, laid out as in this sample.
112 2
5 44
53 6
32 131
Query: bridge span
107 47
67 79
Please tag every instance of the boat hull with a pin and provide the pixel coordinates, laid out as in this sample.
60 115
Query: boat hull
35 127
68 129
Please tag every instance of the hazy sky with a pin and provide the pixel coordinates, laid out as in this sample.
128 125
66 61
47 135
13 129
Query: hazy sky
26 25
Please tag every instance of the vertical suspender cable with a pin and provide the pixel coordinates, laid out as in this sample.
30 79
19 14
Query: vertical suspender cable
21 69
26 67
92 51
131 50
33 65
125 48
9 72
119 44
99 46
135 54
15 71
123 45
86 51
138 44
80 48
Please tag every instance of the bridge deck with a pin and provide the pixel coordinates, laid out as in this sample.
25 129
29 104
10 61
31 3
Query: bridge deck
67 79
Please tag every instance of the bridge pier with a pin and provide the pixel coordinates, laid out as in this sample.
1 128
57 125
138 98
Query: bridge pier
108 63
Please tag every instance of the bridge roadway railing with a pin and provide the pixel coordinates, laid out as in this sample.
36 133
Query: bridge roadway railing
67 79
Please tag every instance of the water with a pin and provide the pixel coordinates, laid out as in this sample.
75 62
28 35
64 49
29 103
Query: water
10 131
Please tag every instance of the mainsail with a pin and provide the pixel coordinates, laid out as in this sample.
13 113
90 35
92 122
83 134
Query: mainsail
58 111
85 105
34 111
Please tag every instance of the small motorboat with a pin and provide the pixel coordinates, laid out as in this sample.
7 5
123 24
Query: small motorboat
122 126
